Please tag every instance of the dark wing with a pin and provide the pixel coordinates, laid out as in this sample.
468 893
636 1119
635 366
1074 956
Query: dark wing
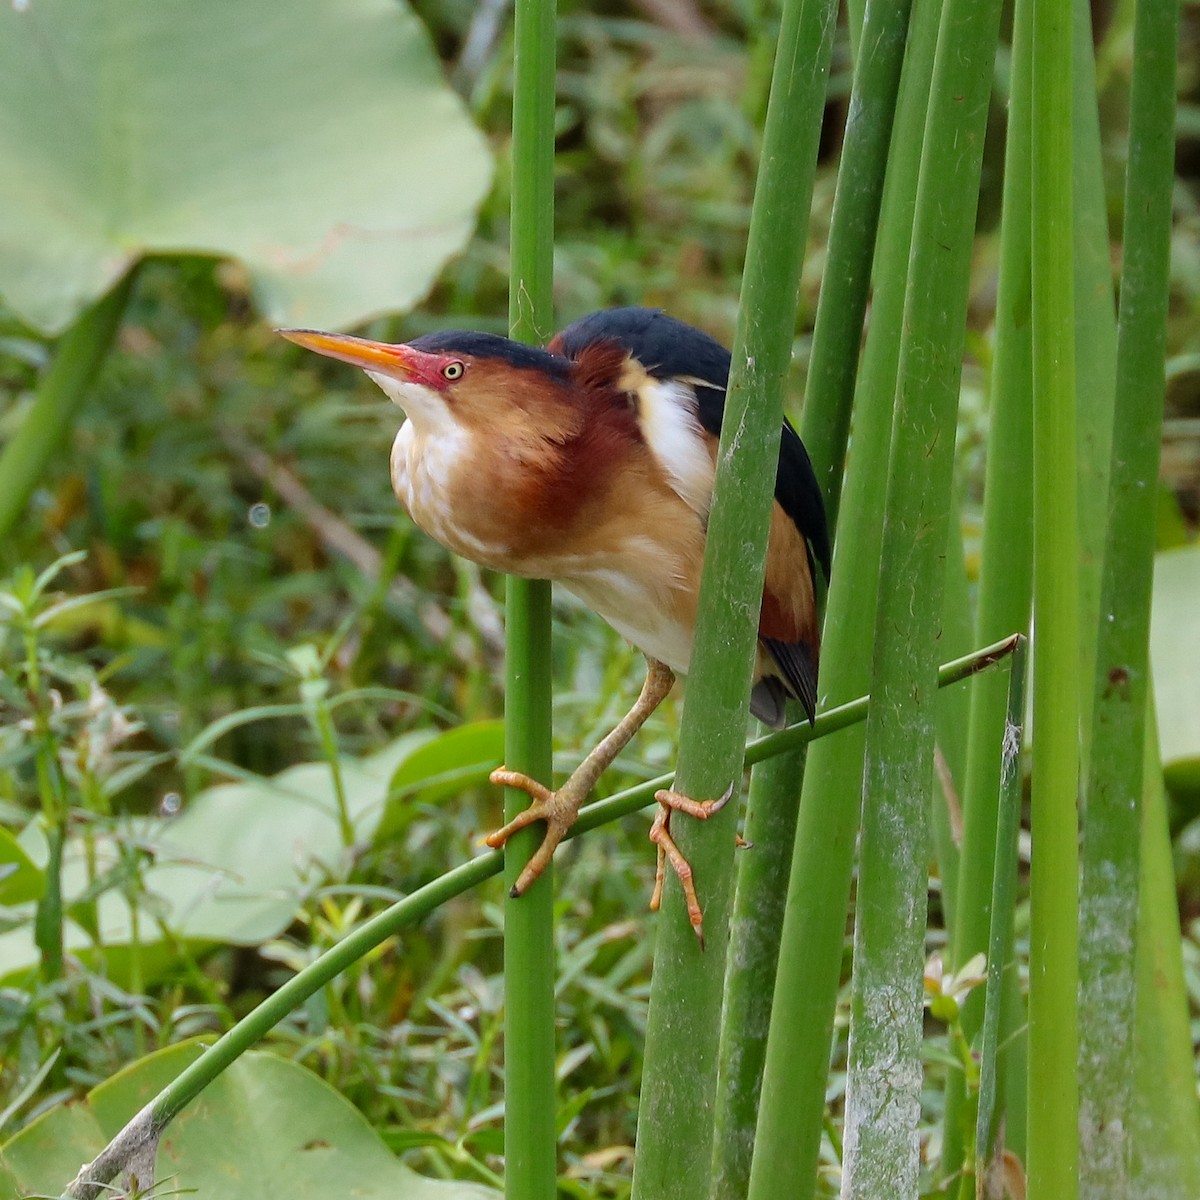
670 349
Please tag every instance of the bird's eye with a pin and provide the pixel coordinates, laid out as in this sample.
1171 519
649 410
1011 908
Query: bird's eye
453 370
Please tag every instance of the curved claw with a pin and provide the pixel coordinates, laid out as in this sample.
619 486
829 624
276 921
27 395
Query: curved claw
558 810
668 851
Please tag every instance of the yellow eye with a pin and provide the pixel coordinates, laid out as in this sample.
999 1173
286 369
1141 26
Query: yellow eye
453 370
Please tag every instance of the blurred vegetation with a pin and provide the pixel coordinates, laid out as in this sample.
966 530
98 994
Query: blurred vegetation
231 499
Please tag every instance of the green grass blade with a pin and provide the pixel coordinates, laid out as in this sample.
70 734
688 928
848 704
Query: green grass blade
1108 913
46 425
674 1151
529 970
884 1082
793 1090
1053 1032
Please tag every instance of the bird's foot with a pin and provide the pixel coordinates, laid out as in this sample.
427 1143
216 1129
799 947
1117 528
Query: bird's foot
669 852
558 809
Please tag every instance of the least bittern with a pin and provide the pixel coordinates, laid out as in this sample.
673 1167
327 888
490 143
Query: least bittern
591 463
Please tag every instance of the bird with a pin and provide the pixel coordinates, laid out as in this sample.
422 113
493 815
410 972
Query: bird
590 462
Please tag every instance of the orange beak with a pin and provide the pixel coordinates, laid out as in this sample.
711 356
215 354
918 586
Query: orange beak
399 361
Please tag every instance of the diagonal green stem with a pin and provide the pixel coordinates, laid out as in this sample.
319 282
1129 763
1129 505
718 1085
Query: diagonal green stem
78 357
775 787
182 1090
1006 570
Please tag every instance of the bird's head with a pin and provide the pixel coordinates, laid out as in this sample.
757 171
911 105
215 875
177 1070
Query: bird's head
453 380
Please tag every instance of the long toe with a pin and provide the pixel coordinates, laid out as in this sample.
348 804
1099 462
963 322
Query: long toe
557 809
660 835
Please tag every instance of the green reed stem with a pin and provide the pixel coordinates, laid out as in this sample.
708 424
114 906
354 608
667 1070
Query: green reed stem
1166 1121
792 1107
1053 1031
762 879
683 1029
1006 568
529 967
1108 912
883 1098
1004 897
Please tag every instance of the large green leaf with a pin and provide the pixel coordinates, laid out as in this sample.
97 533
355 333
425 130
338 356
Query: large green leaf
231 868
313 140
235 865
1175 655
21 878
266 1128
441 768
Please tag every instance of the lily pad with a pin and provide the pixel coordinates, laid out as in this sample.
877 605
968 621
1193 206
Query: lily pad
315 141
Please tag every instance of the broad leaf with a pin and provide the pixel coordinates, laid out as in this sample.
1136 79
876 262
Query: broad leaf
266 1128
20 878
234 866
315 141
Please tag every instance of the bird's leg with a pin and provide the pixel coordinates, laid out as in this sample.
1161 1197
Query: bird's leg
668 851
560 808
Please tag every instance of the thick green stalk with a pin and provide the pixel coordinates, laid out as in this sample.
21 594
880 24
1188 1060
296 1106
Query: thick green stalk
1108 913
1053 1032
45 427
1006 570
1095 349
1004 897
837 332
675 1131
413 908
762 871
762 879
788 1139
883 1096
1166 1120
950 724
529 968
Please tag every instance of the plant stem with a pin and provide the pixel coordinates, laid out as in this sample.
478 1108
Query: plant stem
413 908
1006 559
1108 912
883 1098
1166 1123
788 1138
78 357
1053 1032
675 1129
529 968
762 880
1004 893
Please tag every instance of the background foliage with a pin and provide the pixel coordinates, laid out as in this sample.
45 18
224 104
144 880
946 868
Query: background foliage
262 623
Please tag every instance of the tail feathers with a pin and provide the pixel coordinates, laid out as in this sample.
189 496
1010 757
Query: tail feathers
798 665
